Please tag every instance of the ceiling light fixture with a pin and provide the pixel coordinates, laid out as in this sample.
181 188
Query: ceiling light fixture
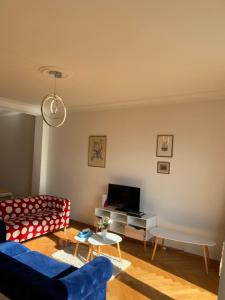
53 109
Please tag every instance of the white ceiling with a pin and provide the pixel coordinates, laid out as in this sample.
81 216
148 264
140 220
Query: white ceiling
116 51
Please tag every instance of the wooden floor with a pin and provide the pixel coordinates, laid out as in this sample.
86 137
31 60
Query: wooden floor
173 275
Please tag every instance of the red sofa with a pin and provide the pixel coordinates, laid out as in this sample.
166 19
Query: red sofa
26 218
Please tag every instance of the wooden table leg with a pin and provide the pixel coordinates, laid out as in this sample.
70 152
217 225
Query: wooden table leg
76 249
205 252
144 245
92 250
155 247
98 250
118 248
89 252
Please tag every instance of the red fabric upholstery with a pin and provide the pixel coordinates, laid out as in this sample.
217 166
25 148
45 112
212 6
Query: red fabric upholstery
30 217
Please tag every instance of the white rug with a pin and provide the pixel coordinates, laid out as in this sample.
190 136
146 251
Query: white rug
67 256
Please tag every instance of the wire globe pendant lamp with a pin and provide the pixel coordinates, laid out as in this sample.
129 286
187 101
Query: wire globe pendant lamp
53 109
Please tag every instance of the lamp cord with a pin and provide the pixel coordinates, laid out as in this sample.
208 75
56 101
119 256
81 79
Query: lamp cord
54 86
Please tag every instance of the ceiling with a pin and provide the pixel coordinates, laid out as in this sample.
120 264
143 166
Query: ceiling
116 51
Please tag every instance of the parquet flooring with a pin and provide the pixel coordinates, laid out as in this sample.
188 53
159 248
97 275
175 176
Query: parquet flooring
173 274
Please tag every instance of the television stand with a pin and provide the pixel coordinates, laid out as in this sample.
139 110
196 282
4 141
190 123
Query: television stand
133 213
128 225
138 214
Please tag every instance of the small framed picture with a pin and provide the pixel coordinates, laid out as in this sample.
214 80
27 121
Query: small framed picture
163 167
97 151
164 147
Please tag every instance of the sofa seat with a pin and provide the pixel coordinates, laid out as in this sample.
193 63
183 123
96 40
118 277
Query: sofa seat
26 218
28 226
30 275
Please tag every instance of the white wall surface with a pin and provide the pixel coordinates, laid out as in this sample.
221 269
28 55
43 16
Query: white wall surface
190 199
40 157
16 152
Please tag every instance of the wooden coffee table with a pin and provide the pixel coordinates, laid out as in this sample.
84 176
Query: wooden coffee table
98 240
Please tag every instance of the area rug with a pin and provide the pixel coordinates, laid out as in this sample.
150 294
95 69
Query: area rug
67 256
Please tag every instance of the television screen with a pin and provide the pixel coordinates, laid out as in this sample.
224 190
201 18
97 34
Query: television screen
125 198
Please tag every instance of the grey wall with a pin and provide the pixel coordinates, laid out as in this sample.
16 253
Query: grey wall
16 152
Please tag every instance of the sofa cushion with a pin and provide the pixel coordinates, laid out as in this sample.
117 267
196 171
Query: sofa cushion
29 226
45 265
13 249
11 209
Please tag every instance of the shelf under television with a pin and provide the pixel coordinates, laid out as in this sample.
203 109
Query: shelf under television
122 221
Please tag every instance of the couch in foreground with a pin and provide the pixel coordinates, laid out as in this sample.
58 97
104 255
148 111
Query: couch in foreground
30 275
25 218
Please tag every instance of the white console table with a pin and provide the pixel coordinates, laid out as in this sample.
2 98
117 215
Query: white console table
130 226
166 234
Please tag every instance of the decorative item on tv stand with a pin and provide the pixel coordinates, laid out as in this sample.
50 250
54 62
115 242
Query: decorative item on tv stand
131 226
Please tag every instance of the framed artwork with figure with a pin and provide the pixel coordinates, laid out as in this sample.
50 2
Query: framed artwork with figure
97 151
164 146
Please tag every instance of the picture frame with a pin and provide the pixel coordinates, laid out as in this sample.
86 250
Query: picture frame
164 146
163 167
97 151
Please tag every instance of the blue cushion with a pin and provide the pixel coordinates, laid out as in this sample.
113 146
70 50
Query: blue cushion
44 264
13 249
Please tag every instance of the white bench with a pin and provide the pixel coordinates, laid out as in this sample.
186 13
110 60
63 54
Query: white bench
166 234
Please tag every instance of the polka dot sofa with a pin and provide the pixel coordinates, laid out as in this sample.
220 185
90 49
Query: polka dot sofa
25 218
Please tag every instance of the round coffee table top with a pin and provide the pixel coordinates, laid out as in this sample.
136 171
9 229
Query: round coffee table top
97 239
81 240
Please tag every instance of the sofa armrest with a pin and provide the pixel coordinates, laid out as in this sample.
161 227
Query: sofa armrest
86 280
2 231
58 203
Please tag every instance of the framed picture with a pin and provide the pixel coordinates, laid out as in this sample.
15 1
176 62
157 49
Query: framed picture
163 167
164 146
97 151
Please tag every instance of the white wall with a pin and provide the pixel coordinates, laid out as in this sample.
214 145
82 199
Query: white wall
40 157
16 152
191 198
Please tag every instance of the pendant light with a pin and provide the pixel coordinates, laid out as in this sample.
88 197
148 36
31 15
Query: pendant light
53 109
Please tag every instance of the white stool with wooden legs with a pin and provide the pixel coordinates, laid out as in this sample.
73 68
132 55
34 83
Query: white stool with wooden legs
166 234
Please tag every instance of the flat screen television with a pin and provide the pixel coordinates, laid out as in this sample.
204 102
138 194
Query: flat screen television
124 198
